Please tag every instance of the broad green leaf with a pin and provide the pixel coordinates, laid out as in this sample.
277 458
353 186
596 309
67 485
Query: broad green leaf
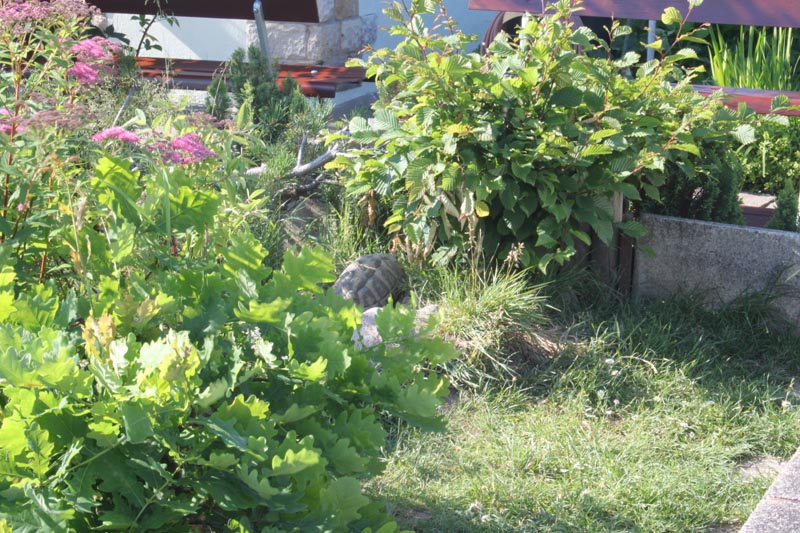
306 270
595 150
267 312
256 481
246 253
685 147
118 187
745 134
48 509
222 461
602 134
345 458
384 119
316 371
296 412
604 230
671 16
137 423
193 208
341 501
293 462
567 97
633 229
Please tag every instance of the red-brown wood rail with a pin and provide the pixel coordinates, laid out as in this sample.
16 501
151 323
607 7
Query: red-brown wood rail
759 100
196 74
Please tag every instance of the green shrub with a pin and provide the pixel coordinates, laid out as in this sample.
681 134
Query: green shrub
786 211
253 78
526 145
774 157
217 99
759 58
702 188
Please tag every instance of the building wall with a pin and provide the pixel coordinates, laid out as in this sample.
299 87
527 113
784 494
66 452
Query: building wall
469 21
347 25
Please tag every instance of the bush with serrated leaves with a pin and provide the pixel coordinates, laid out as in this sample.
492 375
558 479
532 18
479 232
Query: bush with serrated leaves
527 144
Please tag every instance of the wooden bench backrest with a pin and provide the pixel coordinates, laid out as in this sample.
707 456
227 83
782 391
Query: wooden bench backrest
275 10
779 13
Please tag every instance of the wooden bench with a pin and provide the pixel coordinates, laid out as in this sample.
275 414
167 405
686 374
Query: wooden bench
774 13
322 81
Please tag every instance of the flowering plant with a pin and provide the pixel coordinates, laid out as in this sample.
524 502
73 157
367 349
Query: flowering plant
49 67
155 374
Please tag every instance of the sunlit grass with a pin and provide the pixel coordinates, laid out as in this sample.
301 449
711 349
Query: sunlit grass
639 424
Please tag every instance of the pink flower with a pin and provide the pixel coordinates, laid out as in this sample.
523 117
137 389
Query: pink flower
184 150
116 133
21 208
94 49
193 148
84 73
8 121
19 17
89 49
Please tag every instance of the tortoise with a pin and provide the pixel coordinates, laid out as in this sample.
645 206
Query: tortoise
371 279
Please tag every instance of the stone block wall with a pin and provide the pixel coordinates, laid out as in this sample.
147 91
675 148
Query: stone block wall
340 34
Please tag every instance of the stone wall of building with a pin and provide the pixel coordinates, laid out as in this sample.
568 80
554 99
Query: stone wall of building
340 34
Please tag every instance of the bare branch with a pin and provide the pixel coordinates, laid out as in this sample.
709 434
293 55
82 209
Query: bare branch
301 170
301 151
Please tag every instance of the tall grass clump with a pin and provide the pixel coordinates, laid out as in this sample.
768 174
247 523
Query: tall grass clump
761 58
492 316
345 234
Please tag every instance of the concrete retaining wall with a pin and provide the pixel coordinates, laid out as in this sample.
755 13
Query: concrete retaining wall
716 261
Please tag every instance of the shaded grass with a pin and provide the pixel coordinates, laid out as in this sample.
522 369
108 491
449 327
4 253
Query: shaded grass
638 424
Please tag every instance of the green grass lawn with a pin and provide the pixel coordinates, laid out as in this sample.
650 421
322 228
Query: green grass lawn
638 422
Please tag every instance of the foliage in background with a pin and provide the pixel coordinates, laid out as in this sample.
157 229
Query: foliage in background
253 78
786 210
702 188
526 145
217 98
761 58
155 374
774 157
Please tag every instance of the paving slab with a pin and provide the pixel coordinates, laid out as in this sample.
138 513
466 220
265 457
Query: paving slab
779 510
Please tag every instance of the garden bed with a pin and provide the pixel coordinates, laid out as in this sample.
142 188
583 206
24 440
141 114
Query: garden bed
717 262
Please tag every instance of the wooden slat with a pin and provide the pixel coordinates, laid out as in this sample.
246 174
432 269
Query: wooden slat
274 10
785 13
758 99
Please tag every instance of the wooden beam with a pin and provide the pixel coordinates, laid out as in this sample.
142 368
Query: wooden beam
274 10
779 13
